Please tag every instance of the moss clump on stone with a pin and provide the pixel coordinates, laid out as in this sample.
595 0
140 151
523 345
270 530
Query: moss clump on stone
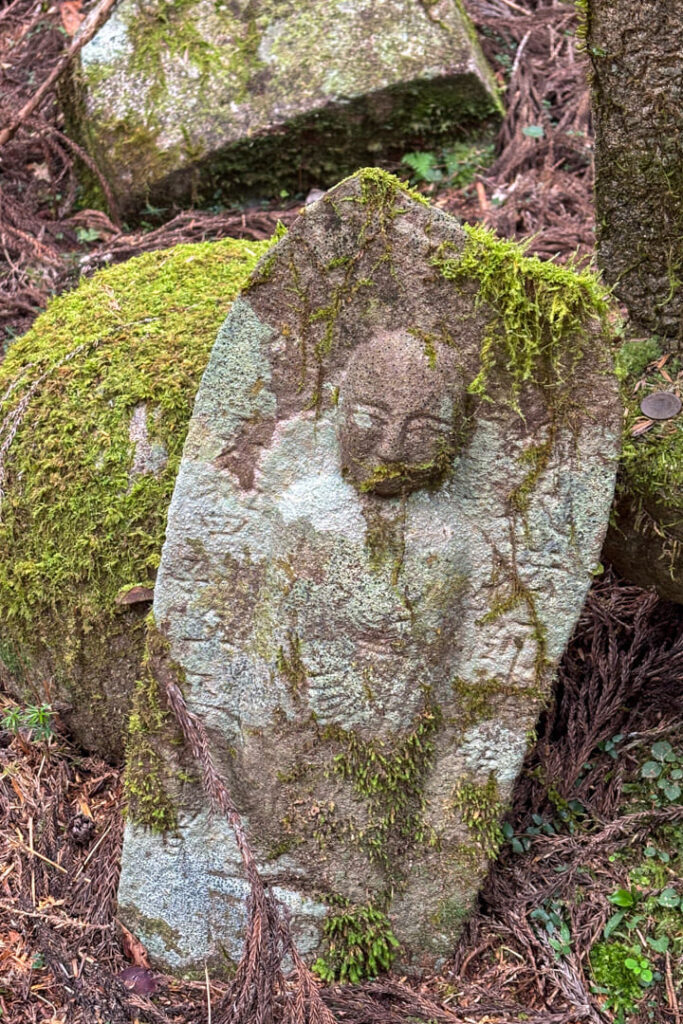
146 778
390 779
480 699
481 810
542 312
360 943
79 520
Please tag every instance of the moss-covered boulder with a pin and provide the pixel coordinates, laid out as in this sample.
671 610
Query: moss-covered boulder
645 539
95 401
213 100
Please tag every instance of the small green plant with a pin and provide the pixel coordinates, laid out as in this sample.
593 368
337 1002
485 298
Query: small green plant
455 166
360 941
571 816
611 746
664 772
36 718
551 917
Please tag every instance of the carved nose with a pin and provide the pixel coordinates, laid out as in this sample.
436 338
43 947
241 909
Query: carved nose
390 447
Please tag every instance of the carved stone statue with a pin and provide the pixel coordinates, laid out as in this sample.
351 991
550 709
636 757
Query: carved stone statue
370 571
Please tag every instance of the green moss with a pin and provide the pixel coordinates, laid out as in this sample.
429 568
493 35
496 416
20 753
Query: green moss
481 810
634 356
619 984
451 915
139 922
536 458
360 943
542 312
147 773
76 526
480 700
651 468
518 593
390 781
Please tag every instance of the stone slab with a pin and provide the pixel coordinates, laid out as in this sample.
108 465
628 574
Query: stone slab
373 562
205 100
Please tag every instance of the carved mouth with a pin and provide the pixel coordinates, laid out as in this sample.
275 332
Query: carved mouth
398 477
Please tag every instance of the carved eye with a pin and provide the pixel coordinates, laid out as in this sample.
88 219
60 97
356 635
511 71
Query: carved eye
369 417
422 433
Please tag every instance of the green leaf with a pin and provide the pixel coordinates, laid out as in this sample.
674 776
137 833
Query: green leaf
424 166
613 923
661 749
669 898
645 976
622 898
631 964
533 131
672 790
659 945
650 770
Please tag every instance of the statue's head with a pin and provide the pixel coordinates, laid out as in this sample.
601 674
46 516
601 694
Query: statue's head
402 413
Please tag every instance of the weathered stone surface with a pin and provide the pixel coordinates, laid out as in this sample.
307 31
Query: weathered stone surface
635 51
203 100
95 401
395 485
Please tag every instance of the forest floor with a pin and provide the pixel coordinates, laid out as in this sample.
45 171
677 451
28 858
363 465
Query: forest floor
581 916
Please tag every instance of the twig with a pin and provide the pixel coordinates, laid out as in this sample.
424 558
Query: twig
85 33
671 991
516 7
34 853
518 55
100 840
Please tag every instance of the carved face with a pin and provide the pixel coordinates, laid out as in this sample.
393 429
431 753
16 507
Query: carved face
402 405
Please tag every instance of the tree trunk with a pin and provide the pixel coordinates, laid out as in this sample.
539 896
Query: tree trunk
635 47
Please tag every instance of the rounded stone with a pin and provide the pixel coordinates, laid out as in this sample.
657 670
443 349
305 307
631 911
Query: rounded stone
661 405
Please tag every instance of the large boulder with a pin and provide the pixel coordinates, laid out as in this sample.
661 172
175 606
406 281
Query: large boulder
95 401
211 101
394 490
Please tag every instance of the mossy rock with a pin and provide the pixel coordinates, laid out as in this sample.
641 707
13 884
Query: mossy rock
95 402
645 539
216 102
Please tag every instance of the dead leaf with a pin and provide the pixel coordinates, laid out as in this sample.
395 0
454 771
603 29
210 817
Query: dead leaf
71 15
39 171
133 948
83 808
139 980
641 426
